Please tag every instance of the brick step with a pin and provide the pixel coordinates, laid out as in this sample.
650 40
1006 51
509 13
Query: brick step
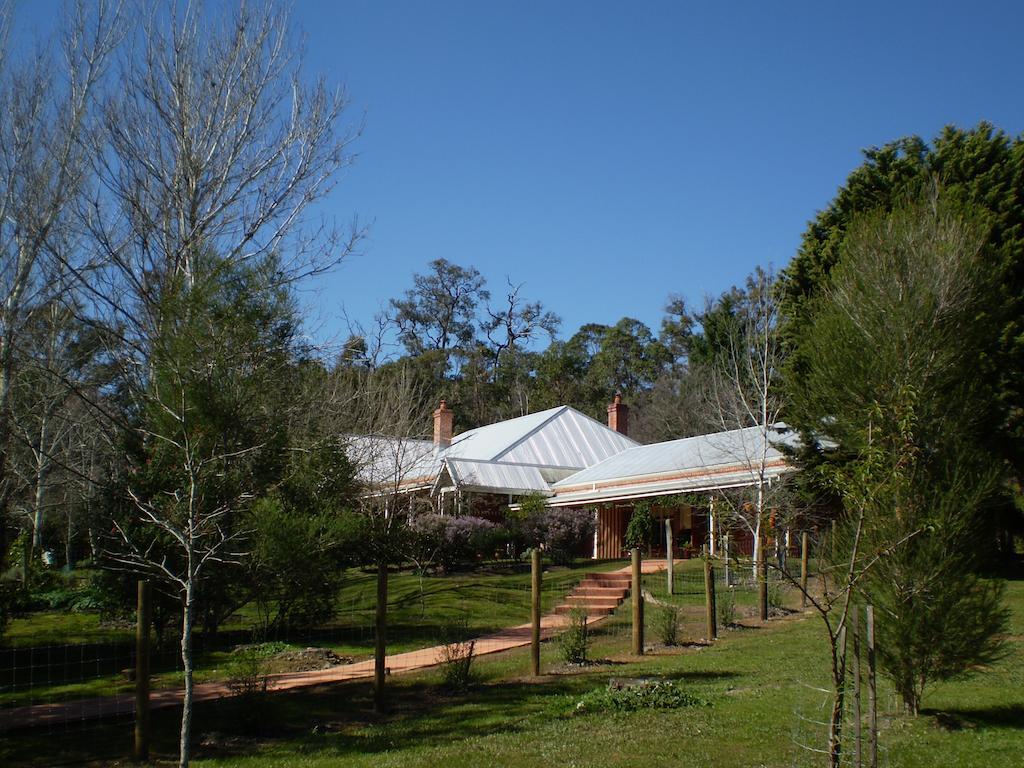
590 591
597 602
590 609
622 589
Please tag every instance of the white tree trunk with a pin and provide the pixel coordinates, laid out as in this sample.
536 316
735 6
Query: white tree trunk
186 661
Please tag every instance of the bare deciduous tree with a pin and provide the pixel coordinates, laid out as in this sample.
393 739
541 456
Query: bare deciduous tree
743 392
49 123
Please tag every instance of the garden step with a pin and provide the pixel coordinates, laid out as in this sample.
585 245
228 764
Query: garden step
586 590
597 602
607 581
590 609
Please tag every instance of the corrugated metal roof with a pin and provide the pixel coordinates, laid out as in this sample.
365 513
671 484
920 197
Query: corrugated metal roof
552 442
661 485
738 447
496 476
383 461
567 439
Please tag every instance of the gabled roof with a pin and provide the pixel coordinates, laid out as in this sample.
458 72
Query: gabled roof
719 460
495 477
557 437
526 453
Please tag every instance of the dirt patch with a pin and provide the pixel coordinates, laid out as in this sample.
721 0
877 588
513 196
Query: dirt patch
306 660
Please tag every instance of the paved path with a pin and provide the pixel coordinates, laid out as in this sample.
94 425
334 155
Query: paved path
124 704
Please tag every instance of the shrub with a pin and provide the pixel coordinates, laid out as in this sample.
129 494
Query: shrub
565 532
640 528
666 622
645 694
247 671
575 640
775 597
457 654
725 604
448 541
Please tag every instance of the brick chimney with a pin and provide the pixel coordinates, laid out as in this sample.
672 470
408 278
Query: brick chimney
618 415
444 419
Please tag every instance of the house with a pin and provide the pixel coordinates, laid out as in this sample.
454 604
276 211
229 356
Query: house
576 462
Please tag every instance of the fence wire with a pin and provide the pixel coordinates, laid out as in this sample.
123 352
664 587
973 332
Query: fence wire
64 701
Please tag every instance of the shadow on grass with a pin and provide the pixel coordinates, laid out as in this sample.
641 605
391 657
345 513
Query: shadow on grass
1002 716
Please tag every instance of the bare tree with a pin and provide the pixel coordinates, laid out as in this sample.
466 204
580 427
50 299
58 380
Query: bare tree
743 392
389 453
215 150
49 122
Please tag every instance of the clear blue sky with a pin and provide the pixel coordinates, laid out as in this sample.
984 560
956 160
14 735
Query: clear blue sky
608 153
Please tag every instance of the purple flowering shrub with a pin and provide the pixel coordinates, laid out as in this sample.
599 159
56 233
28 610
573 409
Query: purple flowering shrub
564 532
446 541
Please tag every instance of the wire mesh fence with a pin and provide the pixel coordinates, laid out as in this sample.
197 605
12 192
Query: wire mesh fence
67 679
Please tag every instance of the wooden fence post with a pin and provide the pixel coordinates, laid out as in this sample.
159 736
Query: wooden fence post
857 735
669 564
535 611
140 750
725 560
869 612
711 626
803 569
638 606
380 644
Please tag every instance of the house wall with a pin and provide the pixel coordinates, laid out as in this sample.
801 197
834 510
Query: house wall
688 525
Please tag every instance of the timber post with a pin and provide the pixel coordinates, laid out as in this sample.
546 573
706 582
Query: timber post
535 610
638 606
711 626
669 564
380 641
869 612
857 735
803 569
143 618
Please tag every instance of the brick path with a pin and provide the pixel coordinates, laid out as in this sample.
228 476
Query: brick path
124 704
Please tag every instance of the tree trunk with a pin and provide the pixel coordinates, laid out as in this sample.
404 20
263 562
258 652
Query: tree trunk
380 646
835 726
186 661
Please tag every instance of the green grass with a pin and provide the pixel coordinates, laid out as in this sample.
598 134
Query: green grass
63 627
761 684
420 613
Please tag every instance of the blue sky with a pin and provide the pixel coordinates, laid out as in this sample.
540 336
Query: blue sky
606 154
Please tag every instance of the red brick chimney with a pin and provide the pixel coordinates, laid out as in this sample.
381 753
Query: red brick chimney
444 419
618 415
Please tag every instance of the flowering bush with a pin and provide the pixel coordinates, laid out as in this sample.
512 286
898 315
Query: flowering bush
447 541
564 532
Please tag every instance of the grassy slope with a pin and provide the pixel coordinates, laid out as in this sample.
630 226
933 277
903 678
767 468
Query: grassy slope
486 602
760 682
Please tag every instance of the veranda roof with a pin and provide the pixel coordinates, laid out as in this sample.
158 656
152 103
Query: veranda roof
706 462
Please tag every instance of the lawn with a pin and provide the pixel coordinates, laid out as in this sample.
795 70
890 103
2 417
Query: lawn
761 685
59 655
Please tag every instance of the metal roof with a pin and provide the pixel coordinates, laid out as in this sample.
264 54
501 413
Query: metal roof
384 461
719 460
548 444
496 477
557 437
